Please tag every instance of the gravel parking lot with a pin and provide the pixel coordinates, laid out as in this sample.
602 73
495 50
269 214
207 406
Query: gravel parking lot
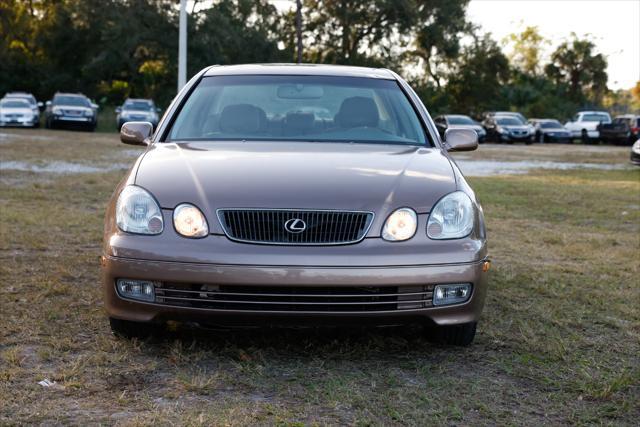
558 342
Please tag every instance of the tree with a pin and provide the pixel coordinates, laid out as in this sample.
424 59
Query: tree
355 31
526 50
476 83
575 64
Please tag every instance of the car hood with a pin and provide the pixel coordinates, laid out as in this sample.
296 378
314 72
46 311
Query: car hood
474 127
74 108
554 130
515 127
25 110
367 177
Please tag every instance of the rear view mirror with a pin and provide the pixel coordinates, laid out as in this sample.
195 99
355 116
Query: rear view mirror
136 133
300 91
460 140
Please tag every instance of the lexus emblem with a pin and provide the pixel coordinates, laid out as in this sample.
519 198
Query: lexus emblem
295 225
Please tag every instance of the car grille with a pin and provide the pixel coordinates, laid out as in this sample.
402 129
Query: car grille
72 112
321 227
295 298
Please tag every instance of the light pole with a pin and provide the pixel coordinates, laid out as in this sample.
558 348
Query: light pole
182 46
299 29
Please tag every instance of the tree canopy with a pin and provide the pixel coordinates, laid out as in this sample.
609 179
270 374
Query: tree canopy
112 49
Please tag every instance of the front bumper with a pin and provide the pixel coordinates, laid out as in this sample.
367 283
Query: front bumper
292 276
18 123
513 138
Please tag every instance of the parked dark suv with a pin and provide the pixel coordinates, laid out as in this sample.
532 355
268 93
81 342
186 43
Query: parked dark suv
71 110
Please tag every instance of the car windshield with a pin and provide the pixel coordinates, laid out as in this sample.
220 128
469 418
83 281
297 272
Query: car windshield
75 101
594 117
298 108
137 106
460 120
508 121
14 103
27 98
554 124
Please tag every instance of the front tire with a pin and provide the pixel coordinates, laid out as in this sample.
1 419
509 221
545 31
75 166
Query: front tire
460 335
541 138
128 329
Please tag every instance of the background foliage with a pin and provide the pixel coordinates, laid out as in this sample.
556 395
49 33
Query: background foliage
112 49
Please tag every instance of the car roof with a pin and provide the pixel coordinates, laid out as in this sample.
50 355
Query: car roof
77 95
138 100
300 69
457 115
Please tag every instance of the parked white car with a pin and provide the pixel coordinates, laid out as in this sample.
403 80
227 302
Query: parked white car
585 124
17 112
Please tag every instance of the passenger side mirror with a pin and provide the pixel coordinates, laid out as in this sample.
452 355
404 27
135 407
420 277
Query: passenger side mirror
118 110
460 140
40 105
136 133
48 103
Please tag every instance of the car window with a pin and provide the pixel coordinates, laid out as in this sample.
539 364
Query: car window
460 120
595 117
298 108
138 105
508 121
551 125
75 101
14 103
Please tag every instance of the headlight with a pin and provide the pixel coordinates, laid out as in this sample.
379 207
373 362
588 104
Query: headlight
88 113
138 212
636 147
189 221
401 225
452 217
57 110
503 130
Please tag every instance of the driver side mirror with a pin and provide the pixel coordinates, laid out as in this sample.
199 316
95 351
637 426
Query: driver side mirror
136 133
460 140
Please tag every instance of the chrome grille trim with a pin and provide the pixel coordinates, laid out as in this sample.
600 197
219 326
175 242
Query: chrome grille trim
295 298
266 226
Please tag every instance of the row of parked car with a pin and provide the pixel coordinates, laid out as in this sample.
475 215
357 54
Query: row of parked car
69 110
509 127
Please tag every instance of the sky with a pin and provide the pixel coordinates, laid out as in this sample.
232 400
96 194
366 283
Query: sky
614 26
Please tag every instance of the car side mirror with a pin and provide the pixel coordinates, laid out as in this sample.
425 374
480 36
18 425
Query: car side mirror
118 110
48 104
136 133
40 104
158 110
95 106
460 140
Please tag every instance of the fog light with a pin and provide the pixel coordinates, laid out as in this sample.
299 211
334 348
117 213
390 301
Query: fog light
136 289
451 294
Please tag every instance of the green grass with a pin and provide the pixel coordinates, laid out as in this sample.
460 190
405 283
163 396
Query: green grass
558 342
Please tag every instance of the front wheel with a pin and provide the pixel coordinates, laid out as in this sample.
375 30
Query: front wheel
129 329
461 335
541 138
